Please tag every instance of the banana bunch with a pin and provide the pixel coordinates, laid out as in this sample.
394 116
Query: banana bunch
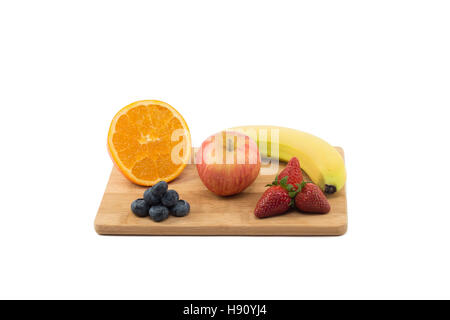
321 161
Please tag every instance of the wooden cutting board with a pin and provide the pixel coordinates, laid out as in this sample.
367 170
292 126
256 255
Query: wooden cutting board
211 214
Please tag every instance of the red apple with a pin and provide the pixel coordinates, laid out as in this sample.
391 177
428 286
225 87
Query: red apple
228 162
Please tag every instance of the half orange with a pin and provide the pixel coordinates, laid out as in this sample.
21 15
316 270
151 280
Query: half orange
149 141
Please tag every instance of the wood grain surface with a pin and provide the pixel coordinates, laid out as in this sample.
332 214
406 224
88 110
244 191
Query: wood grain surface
211 214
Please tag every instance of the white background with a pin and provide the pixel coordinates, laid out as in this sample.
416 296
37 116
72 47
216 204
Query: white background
370 76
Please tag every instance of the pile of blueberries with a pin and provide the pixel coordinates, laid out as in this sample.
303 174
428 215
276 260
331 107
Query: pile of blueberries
158 202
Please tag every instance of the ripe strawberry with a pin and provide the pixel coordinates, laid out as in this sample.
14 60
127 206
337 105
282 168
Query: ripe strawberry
311 199
293 172
275 200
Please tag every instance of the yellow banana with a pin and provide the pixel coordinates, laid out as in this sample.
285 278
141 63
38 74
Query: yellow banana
321 161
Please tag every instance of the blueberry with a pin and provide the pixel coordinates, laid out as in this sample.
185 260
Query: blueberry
140 208
154 194
158 213
160 189
170 198
180 209
151 198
